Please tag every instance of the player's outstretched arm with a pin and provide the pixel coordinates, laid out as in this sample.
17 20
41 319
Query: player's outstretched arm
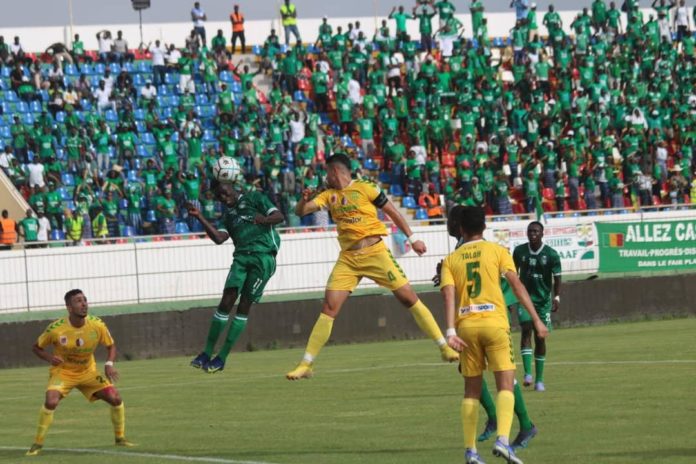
306 205
217 236
396 217
523 297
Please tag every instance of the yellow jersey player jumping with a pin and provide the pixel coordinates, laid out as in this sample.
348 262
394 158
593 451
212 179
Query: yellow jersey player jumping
74 340
479 328
353 206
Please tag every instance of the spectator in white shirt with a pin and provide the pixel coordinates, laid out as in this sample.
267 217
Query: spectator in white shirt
354 91
682 21
297 131
158 52
103 97
173 57
355 32
199 17
6 158
108 80
149 91
16 49
36 175
105 45
44 228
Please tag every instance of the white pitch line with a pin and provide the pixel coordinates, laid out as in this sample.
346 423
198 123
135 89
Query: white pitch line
389 366
170 457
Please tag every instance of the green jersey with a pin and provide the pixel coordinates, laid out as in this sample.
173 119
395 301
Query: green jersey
248 237
537 270
30 226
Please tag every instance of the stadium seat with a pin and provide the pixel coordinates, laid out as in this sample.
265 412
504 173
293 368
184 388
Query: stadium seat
67 179
57 235
182 228
371 165
128 231
421 214
150 216
409 202
396 190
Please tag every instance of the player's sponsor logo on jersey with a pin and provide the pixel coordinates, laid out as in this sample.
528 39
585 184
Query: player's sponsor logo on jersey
333 199
79 342
93 335
544 260
63 340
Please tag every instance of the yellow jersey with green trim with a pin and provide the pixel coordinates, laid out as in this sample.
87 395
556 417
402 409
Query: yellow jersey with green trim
353 211
474 269
76 345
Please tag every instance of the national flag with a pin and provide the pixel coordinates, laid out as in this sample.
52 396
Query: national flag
614 240
539 209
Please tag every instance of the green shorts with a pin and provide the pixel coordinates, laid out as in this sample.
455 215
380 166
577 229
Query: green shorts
544 312
250 273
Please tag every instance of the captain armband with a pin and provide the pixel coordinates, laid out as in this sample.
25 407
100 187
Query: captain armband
381 200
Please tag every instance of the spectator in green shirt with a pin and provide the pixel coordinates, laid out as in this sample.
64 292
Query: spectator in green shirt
400 18
425 26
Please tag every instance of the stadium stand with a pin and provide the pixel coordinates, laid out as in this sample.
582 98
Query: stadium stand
603 117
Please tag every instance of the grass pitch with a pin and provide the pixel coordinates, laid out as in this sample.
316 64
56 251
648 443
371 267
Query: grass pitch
620 393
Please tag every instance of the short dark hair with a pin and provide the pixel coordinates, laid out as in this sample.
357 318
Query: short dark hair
68 296
453 220
536 223
472 220
341 158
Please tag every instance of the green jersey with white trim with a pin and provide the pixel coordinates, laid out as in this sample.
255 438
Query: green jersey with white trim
248 237
537 270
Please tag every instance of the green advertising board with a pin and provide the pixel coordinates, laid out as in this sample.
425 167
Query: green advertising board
647 246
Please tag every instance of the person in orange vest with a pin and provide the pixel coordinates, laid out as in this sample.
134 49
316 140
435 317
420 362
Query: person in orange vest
8 231
431 202
237 20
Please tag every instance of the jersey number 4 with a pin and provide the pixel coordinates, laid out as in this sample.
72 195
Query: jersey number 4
473 278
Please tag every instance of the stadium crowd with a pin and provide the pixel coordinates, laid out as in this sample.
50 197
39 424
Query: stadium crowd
600 113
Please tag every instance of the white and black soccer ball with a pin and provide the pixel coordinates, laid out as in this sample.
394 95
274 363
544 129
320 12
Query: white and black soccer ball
226 170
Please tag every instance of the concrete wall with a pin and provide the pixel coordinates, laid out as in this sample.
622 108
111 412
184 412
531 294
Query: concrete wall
367 318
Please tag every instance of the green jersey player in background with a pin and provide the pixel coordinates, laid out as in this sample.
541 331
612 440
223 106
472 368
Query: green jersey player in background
249 220
539 268
527 429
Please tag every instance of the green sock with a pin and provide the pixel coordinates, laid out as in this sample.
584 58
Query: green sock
527 360
217 325
487 401
539 367
238 325
521 409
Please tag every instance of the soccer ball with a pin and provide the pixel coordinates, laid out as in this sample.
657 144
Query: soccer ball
226 170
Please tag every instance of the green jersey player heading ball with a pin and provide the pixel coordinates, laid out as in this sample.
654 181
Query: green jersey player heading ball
539 268
249 221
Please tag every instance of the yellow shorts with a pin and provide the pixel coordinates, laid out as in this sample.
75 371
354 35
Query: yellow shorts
88 383
374 262
488 347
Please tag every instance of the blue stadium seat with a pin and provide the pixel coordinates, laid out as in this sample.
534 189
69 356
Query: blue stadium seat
21 107
409 202
385 177
128 66
171 78
371 165
60 117
150 216
111 116
6 132
144 67
60 154
99 69
57 235
147 138
11 96
396 190
256 50
138 80
71 70
421 214
36 107
236 87
69 204
128 231
67 179
115 69
140 126
28 119
201 99
299 96
226 77
182 228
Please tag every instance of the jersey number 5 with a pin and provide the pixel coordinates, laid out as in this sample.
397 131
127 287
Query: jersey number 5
473 277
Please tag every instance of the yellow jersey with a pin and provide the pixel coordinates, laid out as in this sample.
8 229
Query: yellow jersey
75 345
353 211
475 269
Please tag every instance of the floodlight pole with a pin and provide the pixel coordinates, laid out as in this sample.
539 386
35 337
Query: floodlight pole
140 14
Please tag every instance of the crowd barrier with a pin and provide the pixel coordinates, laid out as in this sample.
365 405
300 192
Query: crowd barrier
192 267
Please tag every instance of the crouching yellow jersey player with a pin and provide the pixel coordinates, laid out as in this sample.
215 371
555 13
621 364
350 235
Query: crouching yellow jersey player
73 340
479 328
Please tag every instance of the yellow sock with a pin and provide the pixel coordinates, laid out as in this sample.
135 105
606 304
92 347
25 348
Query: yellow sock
470 413
45 420
505 408
425 320
118 419
318 338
